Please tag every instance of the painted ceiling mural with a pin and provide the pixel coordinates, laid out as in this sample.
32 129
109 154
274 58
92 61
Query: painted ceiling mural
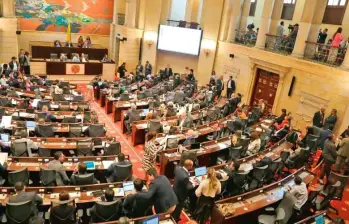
84 16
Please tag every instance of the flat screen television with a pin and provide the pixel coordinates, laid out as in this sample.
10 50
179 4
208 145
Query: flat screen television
180 40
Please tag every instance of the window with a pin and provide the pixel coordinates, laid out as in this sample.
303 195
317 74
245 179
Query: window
288 9
334 12
253 7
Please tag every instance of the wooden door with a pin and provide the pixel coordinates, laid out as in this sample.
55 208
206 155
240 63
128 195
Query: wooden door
265 88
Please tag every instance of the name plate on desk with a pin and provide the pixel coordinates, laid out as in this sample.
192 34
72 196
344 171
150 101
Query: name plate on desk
75 69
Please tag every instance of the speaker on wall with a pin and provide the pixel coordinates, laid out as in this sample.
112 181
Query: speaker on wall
291 86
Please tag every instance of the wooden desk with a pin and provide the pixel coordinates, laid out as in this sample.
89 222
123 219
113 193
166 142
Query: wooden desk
257 199
109 104
60 68
311 219
45 52
103 96
125 105
163 219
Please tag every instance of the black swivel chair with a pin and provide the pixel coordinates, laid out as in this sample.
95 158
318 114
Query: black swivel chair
42 103
68 218
258 177
96 130
154 125
40 115
311 142
84 147
21 175
84 179
69 119
114 148
172 143
44 130
235 152
124 97
240 183
121 173
58 97
106 211
19 213
47 177
19 149
78 98
75 131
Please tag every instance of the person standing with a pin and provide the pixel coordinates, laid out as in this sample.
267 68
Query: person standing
336 40
318 118
14 65
27 63
150 150
280 30
191 76
122 70
329 153
343 154
230 87
220 86
331 120
182 186
322 36
148 68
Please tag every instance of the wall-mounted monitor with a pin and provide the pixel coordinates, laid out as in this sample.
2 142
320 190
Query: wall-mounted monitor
180 40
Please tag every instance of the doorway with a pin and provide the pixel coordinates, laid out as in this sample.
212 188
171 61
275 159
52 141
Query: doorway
265 88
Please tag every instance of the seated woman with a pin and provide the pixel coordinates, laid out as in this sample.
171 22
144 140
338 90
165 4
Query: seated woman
63 212
286 121
57 43
255 144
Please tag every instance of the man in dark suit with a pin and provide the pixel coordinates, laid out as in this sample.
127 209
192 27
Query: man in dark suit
318 119
230 86
182 186
160 193
57 165
329 153
281 118
220 86
148 68
122 70
186 120
13 64
134 206
168 71
114 174
22 196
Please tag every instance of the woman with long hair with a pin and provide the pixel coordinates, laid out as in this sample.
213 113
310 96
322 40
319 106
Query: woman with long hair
206 192
80 42
150 150
336 40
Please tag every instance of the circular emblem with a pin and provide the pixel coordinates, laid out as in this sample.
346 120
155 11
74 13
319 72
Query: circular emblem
75 69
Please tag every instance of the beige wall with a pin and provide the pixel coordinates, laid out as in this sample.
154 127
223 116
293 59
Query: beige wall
177 61
8 39
321 81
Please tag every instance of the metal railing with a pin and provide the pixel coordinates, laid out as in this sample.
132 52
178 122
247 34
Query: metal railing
280 45
184 24
246 38
121 19
324 53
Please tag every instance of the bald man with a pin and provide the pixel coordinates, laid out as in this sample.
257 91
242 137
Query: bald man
182 186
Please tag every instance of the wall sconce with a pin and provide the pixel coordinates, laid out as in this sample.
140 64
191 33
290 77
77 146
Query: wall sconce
150 43
208 46
207 51
150 38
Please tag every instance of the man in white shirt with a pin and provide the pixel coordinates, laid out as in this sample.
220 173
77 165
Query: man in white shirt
280 29
300 192
230 86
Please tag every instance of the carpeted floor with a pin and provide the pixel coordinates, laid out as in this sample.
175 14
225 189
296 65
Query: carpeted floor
136 154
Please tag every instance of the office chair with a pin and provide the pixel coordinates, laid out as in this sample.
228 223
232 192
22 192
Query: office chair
275 169
84 147
188 154
141 95
124 97
87 116
148 93
75 131
258 177
42 103
84 179
114 148
235 152
154 125
106 211
172 143
21 175
78 98
69 119
58 218
19 213
245 142
96 130
48 82
45 130
282 213
58 97
240 183
121 173
19 149
311 142
40 115
264 142
47 177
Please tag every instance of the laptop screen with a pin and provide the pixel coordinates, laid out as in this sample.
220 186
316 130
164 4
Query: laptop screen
128 186
200 171
90 165
5 137
152 220
320 219
100 83
31 124
195 146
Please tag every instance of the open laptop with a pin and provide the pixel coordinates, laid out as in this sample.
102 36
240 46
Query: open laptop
90 165
152 220
200 172
128 187
195 146
5 137
31 124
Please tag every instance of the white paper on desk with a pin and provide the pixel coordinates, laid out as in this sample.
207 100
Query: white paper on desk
107 163
6 121
303 174
142 126
68 98
54 106
19 93
269 154
126 105
41 89
14 102
259 129
3 158
35 102
247 167
222 145
74 194
23 114
79 117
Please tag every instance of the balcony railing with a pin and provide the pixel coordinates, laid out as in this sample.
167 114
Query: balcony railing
324 53
280 45
246 38
121 19
184 24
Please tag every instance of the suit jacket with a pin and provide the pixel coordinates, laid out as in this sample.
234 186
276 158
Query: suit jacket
232 85
112 171
73 179
148 69
61 175
27 196
161 194
61 211
135 206
11 65
122 71
344 148
168 72
329 152
133 115
220 85
330 121
323 137
181 184
171 112
179 97
187 123
318 119
281 118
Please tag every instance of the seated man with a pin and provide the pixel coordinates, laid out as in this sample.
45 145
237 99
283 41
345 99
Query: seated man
135 207
30 145
171 111
49 116
109 197
186 120
63 211
57 165
299 190
231 186
113 172
190 137
82 171
22 196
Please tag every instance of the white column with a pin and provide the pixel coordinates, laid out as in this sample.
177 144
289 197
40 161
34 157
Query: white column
264 23
227 10
234 19
115 12
131 11
244 14
276 16
8 8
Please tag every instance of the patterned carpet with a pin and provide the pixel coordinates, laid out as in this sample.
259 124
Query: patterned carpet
136 154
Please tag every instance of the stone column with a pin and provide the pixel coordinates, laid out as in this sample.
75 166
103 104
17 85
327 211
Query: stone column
244 14
317 20
234 19
304 28
165 11
8 8
264 24
131 11
115 12
276 16
227 12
